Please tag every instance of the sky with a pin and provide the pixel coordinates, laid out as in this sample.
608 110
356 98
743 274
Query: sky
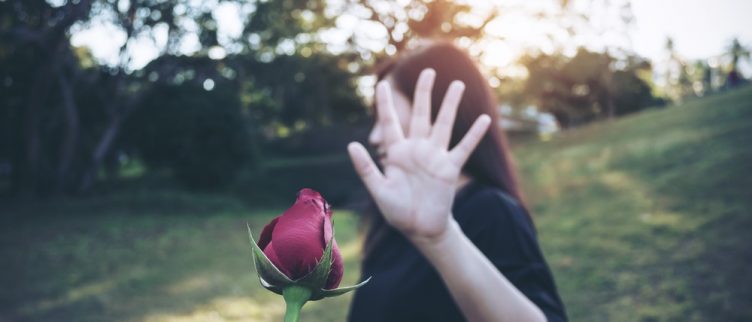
701 29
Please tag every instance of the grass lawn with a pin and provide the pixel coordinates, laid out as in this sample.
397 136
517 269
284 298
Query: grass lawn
641 219
647 218
147 257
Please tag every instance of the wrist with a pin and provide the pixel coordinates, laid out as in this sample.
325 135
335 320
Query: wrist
439 243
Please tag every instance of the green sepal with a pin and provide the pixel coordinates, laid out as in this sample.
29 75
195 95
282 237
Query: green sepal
270 276
274 280
270 287
317 278
322 294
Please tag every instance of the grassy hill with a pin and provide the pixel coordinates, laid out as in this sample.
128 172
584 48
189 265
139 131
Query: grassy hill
641 219
647 218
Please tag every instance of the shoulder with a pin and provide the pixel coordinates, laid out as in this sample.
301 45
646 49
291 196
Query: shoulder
490 206
498 225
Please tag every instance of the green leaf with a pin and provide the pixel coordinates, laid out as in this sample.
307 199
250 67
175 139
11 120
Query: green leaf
269 275
316 279
321 294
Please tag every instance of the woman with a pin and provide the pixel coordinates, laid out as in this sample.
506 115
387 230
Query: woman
451 239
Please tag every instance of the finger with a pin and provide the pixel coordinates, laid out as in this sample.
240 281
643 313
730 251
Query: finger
387 114
364 166
420 122
442 129
462 151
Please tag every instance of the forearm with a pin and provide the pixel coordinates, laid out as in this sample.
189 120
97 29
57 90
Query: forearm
479 289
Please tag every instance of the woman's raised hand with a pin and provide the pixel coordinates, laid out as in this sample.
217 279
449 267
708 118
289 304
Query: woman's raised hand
416 189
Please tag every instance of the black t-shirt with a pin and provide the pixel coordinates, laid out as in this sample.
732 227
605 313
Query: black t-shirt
405 287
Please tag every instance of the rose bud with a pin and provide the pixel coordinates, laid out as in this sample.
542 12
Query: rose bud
295 241
296 255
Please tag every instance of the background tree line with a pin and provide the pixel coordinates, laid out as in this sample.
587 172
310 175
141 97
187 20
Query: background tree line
279 88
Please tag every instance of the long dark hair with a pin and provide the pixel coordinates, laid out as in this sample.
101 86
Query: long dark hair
490 163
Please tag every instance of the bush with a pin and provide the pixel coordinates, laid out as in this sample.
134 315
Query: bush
199 135
632 93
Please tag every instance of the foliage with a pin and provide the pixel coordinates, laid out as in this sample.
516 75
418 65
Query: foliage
678 76
632 93
738 52
293 93
587 86
284 27
684 79
198 134
424 19
64 112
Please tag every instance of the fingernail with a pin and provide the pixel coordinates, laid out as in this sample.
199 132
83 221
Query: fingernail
352 146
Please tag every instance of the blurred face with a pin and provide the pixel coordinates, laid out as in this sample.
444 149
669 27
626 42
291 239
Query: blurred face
402 107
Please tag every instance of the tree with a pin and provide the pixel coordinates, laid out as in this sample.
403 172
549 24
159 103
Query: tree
35 47
197 133
737 53
631 90
423 19
587 86
65 112
678 79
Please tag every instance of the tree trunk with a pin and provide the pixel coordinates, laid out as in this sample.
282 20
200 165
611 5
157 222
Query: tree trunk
70 137
49 43
28 177
103 148
29 170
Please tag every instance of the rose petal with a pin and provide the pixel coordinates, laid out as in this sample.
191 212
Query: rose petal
308 193
337 270
266 233
272 255
297 238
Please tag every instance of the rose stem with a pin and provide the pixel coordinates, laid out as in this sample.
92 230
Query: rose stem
295 297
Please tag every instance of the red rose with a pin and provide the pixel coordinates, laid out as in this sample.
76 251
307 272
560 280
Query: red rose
295 241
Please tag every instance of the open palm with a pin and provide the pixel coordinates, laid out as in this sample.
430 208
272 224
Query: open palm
416 189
